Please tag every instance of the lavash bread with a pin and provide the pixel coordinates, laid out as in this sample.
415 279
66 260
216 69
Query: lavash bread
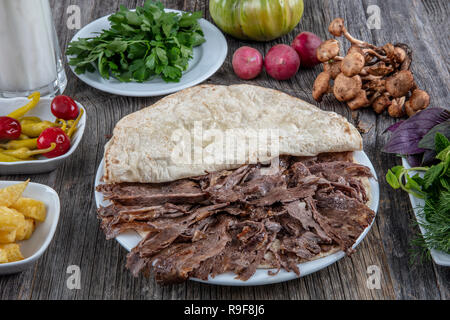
141 147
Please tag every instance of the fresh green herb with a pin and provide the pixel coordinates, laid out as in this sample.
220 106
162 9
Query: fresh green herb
434 188
140 45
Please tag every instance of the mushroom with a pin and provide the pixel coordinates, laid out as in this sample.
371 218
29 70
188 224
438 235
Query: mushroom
333 67
377 84
359 101
378 69
352 64
368 75
418 101
321 85
399 54
337 29
403 55
389 50
354 48
381 103
400 83
327 50
346 88
395 109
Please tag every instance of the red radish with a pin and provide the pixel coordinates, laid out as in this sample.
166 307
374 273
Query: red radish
282 62
10 129
247 63
306 44
54 135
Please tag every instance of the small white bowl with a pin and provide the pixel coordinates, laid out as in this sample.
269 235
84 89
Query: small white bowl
34 247
41 164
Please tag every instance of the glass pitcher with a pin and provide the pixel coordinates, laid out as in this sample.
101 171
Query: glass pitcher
30 57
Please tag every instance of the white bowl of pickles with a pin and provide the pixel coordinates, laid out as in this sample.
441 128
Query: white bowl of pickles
33 139
29 214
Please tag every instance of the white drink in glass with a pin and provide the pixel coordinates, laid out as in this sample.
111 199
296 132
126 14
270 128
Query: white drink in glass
30 58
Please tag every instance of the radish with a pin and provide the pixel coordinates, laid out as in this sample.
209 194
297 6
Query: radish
247 63
282 62
306 44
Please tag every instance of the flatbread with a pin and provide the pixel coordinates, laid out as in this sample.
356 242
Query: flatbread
146 145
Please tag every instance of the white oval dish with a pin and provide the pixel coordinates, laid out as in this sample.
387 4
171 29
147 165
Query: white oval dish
42 164
207 59
34 247
439 257
130 239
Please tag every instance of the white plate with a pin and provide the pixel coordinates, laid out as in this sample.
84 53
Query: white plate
208 58
41 164
439 257
130 239
34 247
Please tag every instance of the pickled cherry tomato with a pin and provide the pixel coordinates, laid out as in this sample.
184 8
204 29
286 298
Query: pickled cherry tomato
64 107
10 128
55 135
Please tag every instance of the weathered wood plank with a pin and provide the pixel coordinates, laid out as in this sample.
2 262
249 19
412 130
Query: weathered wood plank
409 25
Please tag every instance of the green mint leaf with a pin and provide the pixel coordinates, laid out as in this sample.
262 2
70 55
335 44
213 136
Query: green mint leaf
444 154
446 166
412 184
432 174
392 179
397 170
440 142
417 178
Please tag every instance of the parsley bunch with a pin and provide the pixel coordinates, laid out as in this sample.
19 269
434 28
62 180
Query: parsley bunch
434 188
140 45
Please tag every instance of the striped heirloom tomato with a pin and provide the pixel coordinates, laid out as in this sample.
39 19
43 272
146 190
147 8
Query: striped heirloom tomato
260 20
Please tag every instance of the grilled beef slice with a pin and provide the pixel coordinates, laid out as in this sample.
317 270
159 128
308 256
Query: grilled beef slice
234 220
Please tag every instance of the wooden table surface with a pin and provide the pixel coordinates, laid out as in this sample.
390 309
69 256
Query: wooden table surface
79 240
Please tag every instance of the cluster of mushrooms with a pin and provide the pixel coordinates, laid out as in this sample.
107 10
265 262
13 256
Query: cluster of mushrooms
368 75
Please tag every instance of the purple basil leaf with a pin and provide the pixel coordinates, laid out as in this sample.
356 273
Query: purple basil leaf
429 158
427 142
414 160
394 126
406 137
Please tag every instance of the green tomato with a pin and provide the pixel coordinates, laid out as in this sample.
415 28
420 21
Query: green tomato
260 20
